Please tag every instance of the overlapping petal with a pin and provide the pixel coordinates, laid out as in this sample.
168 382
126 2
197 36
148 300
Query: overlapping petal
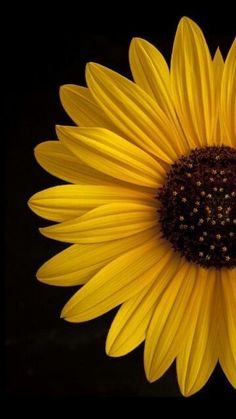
228 97
61 203
130 324
199 352
115 283
79 262
169 323
113 155
192 80
228 324
218 67
80 105
133 111
104 223
151 72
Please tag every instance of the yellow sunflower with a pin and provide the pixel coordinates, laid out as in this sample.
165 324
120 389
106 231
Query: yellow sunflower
151 212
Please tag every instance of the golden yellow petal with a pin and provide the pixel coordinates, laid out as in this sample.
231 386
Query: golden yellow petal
227 324
82 108
228 97
111 154
228 284
61 203
199 352
60 162
115 283
133 112
218 67
129 327
169 322
104 223
151 72
192 80
78 263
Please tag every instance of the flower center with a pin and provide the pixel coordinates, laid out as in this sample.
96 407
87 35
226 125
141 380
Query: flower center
198 206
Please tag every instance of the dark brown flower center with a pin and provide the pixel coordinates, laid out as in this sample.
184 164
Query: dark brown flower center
198 206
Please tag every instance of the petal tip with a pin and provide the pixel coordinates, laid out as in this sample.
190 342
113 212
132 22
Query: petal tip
187 23
149 376
110 350
39 275
186 393
90 66
30 202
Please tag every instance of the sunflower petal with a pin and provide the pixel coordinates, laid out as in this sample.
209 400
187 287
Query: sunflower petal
133 112
129 327
168 324
151 72
111 154
192 82
104 223
228 325
199 353
78 263
60 162
228 97
61 203
115 283
218 67
82 108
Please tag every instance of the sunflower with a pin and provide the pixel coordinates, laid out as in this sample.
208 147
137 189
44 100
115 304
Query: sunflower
150 211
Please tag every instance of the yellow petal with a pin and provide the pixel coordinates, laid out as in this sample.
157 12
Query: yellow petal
111 154
199 353
104 223
168 325
133 112
151 72
61 203
82 108
129 326
228 325
228 97
218 67
228 283
60 162
192 82
115 283
78 263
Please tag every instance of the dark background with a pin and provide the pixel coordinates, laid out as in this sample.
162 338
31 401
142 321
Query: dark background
45 356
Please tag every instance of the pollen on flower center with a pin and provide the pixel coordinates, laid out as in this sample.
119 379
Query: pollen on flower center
198 206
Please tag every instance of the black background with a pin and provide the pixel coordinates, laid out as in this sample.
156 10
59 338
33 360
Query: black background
45 356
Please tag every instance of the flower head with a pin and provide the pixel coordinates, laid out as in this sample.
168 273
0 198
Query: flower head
150 211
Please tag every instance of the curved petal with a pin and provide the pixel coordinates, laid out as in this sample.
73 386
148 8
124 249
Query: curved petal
151 72
228 325
78 263
104 223
169 322
62 163
130 324
111 154
218 67
133 112
199 353
82 108
61 203
115 283
228 97
192 82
